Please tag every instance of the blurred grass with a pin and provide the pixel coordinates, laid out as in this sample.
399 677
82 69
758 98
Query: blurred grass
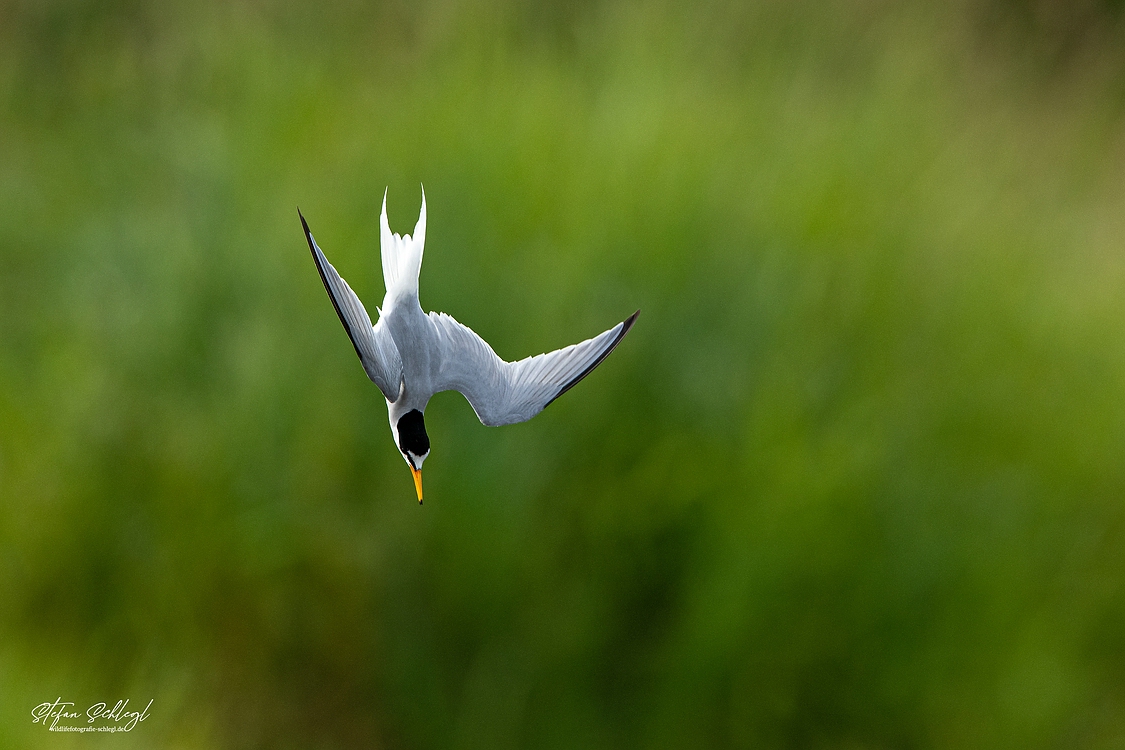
854 480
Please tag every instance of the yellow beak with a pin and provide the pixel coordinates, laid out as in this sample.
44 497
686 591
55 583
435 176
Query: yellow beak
417 482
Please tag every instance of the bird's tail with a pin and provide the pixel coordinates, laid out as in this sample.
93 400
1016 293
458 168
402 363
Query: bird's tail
402 256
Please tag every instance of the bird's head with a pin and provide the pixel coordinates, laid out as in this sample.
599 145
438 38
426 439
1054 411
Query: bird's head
414 444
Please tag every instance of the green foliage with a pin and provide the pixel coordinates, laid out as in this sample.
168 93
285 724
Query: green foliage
854 480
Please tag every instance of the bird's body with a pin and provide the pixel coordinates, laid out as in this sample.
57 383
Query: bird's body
411 355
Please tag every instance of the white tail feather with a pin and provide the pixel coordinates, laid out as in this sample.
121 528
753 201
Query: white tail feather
402 256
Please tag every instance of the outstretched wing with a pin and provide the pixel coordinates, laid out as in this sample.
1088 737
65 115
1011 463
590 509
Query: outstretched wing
508 392
374 345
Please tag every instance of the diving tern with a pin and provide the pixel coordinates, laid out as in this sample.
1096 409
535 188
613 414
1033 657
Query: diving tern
411 355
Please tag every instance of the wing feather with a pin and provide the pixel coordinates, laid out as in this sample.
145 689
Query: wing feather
508 392
374 344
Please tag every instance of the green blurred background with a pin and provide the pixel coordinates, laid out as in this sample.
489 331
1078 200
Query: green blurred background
855 480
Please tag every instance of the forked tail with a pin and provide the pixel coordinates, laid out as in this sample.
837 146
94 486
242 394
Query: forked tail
402 256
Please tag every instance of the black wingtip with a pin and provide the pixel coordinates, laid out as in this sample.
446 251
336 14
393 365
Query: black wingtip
312 249
305 226
629 322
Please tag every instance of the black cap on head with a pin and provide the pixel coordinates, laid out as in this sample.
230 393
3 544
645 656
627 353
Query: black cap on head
412 433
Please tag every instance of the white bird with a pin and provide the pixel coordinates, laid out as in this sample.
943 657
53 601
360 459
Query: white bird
411 355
